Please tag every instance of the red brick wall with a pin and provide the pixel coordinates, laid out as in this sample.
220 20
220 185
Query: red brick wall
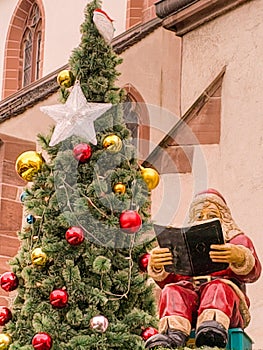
148 12
11 209
139 11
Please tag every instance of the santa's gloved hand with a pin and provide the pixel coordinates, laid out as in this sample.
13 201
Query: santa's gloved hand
227 253
160 257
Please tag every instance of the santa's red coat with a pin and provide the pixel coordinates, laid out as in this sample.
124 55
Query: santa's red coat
180 297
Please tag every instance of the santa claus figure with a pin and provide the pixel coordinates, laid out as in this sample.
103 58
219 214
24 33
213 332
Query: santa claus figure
210 304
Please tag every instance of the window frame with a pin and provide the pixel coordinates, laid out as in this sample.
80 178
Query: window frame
31 62
13 58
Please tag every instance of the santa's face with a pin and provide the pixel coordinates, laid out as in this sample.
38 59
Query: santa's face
206 211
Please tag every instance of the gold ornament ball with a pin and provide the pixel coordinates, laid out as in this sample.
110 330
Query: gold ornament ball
5 341
65 78
151 177
38 257
28 164
119 188
112 143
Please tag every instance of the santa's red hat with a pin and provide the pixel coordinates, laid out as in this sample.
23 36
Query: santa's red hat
210 191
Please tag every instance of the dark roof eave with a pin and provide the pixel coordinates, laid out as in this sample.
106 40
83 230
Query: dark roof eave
27 97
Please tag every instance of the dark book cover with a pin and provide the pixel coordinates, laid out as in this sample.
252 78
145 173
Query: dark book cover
190 247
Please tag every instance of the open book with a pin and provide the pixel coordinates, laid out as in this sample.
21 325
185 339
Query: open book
190 247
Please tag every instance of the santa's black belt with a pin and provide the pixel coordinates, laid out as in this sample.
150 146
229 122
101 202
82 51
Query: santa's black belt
198 280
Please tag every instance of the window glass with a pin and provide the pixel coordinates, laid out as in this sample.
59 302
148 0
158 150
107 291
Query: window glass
38 57
31 47
132 120
27 58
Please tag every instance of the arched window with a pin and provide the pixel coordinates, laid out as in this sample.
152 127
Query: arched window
26 50
31 47
24 46
38 55
132 119
137 120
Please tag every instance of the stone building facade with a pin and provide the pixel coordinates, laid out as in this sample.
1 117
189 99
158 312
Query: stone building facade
21 119
226 36
194 68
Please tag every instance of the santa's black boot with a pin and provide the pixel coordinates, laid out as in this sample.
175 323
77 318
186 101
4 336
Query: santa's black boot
171 340
211 333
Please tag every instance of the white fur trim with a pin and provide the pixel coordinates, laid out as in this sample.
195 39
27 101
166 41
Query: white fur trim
213 314
157 274
248 264
211 197
175 322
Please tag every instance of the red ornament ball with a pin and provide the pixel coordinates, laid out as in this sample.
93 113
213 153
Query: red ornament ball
148 332
82 152
130 221
144 261
5 315
58 298
42 341
75 235
9 281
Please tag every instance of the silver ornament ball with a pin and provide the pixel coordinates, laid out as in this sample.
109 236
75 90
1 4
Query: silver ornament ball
99 323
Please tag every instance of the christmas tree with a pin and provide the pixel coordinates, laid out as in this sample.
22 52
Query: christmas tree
80 272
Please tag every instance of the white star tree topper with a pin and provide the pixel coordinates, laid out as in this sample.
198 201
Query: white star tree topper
75 117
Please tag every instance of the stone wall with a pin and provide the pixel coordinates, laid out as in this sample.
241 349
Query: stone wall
11 212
